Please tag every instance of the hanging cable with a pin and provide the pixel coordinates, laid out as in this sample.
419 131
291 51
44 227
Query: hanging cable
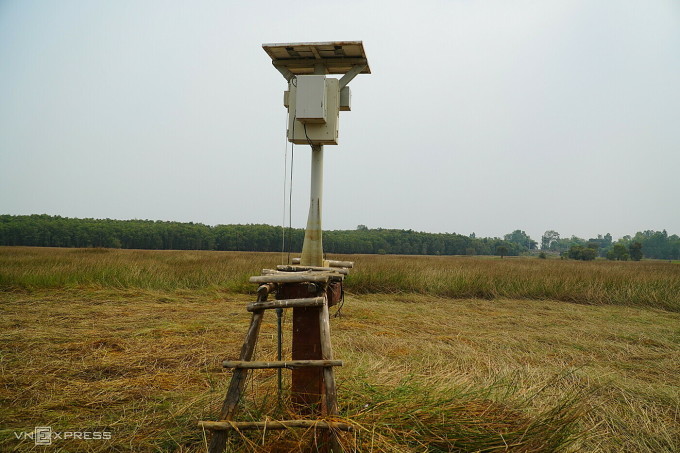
290 203
293 82
285 184
290 196
338 312
307 136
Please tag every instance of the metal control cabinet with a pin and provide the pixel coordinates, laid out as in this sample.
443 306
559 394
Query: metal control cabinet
302 131
310 99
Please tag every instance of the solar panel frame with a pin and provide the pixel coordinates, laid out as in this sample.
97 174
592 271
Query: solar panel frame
334 57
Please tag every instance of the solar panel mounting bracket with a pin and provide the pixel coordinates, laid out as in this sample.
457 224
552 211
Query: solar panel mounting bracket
320 58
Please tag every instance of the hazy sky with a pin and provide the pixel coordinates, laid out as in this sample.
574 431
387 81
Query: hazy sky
480 116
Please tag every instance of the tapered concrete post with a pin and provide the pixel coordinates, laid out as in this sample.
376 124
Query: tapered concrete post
312 248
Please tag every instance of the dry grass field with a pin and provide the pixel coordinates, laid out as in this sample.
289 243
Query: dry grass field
441 353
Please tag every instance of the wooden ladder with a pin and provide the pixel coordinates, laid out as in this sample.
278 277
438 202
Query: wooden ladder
269 283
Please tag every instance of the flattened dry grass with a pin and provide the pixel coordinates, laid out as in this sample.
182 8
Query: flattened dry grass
125 362
422 372
624 362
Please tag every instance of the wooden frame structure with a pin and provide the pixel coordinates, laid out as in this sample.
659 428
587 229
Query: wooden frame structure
290 279
310 285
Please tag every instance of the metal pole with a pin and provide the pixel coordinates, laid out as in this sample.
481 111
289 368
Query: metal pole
279 352
312 248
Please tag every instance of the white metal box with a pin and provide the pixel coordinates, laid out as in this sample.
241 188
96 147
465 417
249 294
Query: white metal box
302 133
310 99
345 100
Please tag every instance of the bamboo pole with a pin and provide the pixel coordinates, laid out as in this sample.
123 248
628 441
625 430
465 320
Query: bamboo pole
271 424
289 268
327 355
328 373
281 364
240 375
286 303
331 263
346 264
293 277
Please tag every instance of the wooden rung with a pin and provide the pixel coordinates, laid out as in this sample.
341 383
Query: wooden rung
331 263
333 274
271 424
346 264
287 268
291 277
280 364
286 303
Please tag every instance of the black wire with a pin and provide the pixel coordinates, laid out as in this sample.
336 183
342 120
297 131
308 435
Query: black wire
307 136
338 313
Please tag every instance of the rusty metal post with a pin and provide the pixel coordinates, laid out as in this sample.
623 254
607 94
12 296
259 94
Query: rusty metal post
307 384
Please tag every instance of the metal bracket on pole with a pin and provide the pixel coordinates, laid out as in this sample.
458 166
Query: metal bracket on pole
352 73
285 72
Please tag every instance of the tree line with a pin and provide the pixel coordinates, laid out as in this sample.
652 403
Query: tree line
56 231
647 244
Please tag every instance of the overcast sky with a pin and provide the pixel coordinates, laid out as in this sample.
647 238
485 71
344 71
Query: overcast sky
479 116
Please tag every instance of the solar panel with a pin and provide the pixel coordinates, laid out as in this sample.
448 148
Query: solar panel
330 57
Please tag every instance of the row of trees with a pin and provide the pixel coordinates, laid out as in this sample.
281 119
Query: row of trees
649 243
617 252
55 231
